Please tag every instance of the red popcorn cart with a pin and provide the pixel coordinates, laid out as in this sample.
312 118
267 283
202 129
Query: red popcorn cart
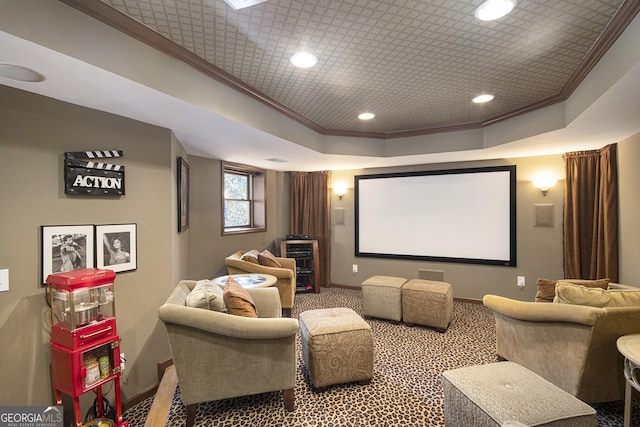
85 347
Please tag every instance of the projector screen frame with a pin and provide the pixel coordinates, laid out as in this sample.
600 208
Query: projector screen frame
511 261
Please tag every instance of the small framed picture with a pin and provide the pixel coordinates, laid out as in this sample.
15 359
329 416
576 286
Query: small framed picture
66 248
183 195
116 247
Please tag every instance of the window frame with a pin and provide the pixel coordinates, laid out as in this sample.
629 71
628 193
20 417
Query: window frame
245 200
257 197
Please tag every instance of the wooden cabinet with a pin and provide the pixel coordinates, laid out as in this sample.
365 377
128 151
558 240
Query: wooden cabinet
305 252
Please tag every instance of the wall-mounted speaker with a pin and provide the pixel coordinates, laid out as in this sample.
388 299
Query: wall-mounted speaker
543 215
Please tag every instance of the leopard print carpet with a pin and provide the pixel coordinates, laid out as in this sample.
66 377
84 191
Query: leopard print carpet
406 389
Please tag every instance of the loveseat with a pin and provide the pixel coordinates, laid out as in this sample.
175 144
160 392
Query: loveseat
572 346
285 275
219 355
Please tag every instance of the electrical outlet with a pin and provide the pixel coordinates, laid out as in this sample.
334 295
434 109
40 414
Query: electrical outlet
122 361
4 280
355 268
521 281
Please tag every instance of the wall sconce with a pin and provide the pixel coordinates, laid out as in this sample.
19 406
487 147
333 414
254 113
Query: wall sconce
544 182
340 188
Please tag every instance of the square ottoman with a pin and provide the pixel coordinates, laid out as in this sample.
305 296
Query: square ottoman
427 303
337 346
505 393
381 297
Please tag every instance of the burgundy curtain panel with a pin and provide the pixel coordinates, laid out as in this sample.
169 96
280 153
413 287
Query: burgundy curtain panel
591 214
309 213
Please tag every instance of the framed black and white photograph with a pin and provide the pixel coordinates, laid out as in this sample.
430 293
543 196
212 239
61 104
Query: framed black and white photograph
116 247
183 195
66 248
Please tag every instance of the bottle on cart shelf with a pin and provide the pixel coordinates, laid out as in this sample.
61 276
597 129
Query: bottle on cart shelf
92 368
104 363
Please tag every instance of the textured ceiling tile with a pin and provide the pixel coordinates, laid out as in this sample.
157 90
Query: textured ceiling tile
414 63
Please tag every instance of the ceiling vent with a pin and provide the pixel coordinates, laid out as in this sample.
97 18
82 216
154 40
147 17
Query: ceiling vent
241 4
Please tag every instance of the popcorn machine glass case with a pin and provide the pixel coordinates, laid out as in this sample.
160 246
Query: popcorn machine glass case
82 306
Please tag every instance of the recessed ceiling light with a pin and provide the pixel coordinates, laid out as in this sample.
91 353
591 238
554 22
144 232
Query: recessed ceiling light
366 116
494 9
18 72
304 60
480 99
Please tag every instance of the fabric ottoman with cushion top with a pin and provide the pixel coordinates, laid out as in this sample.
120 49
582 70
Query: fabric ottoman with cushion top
381 297
427 303
337 346
505 393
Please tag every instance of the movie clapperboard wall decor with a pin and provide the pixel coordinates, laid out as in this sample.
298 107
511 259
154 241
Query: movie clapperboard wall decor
87 172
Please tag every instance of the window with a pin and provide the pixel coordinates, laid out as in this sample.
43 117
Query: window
244 204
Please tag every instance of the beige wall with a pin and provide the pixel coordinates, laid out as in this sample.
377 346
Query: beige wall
207 247
34 134
180 241
539 249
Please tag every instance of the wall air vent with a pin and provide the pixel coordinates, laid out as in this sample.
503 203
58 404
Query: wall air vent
435 275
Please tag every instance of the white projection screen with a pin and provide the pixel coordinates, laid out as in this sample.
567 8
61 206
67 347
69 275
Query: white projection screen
458 215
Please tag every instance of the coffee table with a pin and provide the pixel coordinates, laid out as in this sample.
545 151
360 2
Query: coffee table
253 280
629 347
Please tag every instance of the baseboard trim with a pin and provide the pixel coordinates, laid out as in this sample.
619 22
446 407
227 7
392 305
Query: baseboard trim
140 397
338 285
469 300
162 366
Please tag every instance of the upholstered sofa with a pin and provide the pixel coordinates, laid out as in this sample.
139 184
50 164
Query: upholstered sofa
219 355
285 275
572 346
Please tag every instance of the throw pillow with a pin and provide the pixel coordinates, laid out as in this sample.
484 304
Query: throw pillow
206 294
268 259
238 300
569 293
250 256
547 288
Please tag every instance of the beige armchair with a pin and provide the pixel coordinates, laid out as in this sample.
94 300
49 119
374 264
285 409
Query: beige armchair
286 276
219 355
572 346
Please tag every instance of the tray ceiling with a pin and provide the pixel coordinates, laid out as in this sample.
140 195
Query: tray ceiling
416 64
